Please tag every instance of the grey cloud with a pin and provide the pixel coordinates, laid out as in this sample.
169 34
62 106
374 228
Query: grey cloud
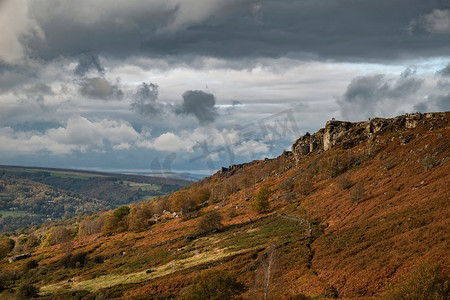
435 22
442 102
445 71
144 101
347 30
365 95
199 104
87 63
100 88
40 89
434 102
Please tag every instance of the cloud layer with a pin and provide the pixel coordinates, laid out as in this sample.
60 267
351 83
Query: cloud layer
109 84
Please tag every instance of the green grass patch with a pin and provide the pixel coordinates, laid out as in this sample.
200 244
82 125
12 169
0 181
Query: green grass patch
9 213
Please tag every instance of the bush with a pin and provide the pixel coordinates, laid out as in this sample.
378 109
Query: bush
305 184
27 291
389 164
335 164
214 285
210 222
58 235
358 192
261 199
139 216
287 185
425 282
74 260
429 162
203 195
344 182
116 221
31 264
99 259
232 213
6 245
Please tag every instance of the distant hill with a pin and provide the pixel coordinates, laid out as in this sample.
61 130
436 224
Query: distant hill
31 196
355 211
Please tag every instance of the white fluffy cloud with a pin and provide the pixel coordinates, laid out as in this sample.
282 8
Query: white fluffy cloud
78 134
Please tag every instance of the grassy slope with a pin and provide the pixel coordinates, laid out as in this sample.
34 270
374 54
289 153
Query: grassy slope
324 241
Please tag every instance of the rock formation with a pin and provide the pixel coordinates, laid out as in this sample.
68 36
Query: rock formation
349 134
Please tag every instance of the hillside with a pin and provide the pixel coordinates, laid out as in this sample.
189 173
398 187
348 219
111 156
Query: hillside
354 211
31 196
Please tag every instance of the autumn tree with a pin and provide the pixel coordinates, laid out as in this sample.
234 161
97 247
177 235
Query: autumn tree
116 221
137 220
263 285
211 221
6 245
90 225
261 199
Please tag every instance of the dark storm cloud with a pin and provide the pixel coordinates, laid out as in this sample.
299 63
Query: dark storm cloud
100 88
434 103
87 63
364 94
345 30
144 100
445 71
199 104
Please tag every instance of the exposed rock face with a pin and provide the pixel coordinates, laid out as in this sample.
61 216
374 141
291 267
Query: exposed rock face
348 134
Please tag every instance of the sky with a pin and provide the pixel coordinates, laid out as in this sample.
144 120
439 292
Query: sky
194 85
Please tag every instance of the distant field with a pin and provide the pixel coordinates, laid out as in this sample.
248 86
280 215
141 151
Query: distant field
143 186
62 174
8 213
54 193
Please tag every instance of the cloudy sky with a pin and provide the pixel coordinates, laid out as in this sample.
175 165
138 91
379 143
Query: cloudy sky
193 85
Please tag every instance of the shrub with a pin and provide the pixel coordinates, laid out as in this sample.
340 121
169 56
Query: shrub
305 184
214 285
287 185
344 182
358 192
335 164
6 245
121 212
26 291
232 213
203 195
99 259
389 164
32 241
31 264
117 220
425 282
139 216
74 260
58 235
429 162
261 199
212 221
90 226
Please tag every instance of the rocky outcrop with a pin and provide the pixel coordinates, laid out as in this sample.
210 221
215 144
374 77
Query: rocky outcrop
19 257
349 134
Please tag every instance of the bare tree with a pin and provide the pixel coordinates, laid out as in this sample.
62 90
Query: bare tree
265 276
